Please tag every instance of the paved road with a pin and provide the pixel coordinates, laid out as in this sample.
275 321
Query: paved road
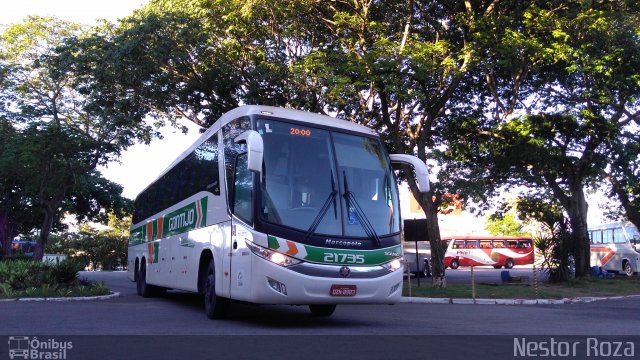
180 316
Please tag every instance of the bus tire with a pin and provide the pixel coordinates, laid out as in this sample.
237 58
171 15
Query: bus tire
454 264
136 275
508 264
628 269
215 307
322 310
142 288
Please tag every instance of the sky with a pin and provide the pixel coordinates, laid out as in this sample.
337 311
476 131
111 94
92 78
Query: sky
140 164
81 11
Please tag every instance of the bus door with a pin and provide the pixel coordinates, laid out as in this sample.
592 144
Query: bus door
242 208
236 259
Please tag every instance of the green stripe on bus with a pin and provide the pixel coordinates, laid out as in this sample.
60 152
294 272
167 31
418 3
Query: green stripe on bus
186 218
352 257
273 242
323 255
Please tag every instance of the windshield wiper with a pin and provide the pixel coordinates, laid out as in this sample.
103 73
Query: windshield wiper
364 221
323 210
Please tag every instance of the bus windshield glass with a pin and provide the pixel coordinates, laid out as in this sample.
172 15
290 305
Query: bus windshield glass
324 182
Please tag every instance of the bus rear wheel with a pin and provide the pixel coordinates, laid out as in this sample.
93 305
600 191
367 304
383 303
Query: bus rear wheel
628 269
215 307
146 290
142 288
322 310
508 264
454 264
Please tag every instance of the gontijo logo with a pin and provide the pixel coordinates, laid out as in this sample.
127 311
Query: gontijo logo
24 347
182 220
189 217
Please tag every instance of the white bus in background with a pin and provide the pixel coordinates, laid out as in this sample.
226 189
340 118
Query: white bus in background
615 247
275 206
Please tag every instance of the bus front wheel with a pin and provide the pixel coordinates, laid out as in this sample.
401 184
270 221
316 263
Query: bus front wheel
508 264
628 269
454 264
214 306
322 310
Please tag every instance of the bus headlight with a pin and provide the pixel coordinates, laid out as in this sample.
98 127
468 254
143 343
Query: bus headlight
393 265
273 256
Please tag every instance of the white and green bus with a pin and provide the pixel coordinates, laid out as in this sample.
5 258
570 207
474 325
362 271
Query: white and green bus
275 206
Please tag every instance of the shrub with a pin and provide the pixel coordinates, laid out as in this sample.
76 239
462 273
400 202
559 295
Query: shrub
65 272
27 278
22 274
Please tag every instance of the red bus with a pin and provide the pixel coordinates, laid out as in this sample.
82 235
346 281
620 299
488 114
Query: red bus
496 251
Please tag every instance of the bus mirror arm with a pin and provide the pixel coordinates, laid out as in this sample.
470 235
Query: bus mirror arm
255 149
420 168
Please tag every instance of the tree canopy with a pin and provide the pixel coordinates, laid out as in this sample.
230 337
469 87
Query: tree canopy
65 114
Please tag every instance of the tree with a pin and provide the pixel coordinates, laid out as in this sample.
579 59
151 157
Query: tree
73 114
623 176
560 88
505 225
99 249
15 216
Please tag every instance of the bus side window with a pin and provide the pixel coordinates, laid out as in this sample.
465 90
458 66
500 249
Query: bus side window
498 243
242 190
618 236
231 149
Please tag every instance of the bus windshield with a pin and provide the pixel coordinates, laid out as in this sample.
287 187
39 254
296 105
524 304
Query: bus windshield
325 182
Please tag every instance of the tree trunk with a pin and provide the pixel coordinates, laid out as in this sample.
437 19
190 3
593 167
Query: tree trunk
7 232
45 230
577 211
438 279
437 247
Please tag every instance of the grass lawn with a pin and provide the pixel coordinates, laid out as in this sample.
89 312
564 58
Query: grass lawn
618 286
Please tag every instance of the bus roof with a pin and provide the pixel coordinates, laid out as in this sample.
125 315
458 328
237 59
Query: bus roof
304 116
271 111
611 225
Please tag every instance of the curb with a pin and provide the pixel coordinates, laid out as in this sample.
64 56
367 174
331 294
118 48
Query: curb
61 299
421 300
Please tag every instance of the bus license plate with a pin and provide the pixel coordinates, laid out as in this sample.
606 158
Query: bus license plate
343 290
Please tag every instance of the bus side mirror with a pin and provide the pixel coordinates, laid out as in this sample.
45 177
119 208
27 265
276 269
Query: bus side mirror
420 168
255 149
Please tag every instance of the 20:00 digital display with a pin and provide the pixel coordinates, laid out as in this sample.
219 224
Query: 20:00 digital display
300 132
